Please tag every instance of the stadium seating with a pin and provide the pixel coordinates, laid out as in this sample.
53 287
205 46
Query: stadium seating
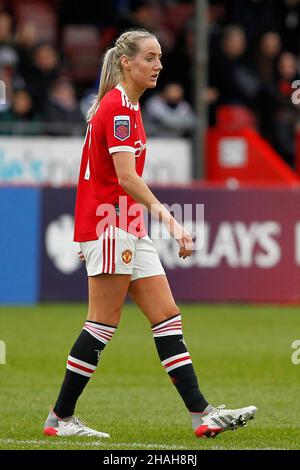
41 14
81 45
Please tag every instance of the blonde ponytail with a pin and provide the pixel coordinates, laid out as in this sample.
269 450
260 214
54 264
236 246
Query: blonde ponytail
108 80
111 73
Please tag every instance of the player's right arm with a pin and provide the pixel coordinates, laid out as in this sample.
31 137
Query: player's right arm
133 185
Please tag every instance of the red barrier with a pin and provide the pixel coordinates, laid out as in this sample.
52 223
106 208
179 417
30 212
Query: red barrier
243 156
235 117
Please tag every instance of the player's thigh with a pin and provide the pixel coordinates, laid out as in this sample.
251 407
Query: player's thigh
154 297
107 293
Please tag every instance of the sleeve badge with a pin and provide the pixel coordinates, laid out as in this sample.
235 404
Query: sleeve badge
121 127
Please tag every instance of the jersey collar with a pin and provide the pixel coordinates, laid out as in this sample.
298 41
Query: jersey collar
121 89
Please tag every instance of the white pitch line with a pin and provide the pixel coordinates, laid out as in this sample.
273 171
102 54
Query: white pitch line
120 444
89 444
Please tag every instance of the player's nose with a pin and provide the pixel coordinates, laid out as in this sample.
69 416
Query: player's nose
158 66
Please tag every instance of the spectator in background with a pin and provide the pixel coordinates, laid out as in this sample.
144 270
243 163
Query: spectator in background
169 114
267 54
62 111
12 80
265 28
44 70
26 39
20 118
147 14
288 14
265 60
230 71
7 79
254 16
286 113
8 54
142 14
87 99
215 18
6 29
179 62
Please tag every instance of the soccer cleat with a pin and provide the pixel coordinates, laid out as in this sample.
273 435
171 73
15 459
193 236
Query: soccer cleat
219 419
54 426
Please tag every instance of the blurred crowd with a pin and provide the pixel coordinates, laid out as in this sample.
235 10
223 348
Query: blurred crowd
50 53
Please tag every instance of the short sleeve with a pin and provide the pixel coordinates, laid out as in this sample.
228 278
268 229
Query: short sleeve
120 130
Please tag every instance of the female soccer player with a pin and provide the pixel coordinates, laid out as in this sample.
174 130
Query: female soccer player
120 256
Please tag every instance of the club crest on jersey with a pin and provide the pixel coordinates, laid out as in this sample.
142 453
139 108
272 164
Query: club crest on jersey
126 256
121 127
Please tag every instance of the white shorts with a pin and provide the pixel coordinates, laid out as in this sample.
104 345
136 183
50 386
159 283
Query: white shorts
119 252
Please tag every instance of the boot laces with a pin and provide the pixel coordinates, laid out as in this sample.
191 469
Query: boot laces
78 422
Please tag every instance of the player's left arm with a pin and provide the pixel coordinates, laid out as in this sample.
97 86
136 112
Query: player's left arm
133 184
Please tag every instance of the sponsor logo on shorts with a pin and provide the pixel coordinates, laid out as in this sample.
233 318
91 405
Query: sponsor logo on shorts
126 256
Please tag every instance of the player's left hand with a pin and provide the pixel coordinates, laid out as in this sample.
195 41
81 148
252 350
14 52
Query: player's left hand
186 245
183 238
81 256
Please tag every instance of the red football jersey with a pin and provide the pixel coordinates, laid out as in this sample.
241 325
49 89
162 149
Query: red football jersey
116 126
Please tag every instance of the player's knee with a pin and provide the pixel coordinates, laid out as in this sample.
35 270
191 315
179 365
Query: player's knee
172 310
175 310
111 317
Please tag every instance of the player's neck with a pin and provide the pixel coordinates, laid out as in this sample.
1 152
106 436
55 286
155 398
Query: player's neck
133 93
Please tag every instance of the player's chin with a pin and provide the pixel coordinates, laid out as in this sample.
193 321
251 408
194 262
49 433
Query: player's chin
152 83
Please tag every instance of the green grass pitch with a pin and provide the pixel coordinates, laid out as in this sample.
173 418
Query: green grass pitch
241 353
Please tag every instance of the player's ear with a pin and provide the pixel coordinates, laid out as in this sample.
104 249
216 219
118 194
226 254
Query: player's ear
125 63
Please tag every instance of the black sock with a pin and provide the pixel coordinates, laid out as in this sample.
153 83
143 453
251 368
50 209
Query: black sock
81 364
176 360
